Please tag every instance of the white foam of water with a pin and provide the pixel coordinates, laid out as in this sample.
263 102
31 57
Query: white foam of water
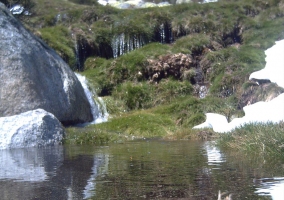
260 112
98 108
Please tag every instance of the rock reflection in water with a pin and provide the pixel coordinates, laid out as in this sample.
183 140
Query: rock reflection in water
29 164
47 173
135 170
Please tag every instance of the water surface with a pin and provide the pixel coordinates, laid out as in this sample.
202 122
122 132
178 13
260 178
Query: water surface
136 170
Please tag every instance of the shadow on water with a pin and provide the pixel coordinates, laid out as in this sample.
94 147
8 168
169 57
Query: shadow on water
136 170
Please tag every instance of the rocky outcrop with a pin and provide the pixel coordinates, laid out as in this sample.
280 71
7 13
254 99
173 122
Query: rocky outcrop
30 129
257 91
33 76
179 66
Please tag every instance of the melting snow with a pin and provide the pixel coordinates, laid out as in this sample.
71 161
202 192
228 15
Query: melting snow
260 112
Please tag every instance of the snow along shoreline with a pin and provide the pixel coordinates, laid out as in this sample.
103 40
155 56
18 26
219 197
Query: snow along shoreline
260 112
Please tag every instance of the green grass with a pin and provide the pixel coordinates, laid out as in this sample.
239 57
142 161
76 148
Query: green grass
125 126
226 41
57 38
266 140
90 135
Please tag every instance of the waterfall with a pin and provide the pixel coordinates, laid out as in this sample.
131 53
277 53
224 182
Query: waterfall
82 50
98 106
118 43
122 43
162 33
78 64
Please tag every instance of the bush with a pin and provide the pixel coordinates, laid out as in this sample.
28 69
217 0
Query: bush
135 96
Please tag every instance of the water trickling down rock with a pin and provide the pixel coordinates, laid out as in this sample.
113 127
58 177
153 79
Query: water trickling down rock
98 107
122 44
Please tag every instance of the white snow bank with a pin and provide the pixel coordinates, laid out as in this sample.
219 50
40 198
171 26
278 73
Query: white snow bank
274 68
260 112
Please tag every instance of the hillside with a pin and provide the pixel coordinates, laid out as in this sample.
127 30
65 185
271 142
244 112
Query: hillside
161 69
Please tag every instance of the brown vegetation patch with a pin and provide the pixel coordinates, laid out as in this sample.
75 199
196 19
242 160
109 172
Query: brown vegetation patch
180 66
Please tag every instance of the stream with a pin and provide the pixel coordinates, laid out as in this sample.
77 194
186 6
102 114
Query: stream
146 169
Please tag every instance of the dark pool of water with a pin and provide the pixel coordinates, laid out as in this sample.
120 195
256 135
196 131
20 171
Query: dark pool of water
136 170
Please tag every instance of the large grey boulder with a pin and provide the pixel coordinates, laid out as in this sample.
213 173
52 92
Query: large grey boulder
30 129
32 75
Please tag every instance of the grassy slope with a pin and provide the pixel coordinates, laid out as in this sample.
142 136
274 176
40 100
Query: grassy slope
168 109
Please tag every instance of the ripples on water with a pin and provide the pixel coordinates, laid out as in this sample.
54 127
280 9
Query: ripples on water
135 170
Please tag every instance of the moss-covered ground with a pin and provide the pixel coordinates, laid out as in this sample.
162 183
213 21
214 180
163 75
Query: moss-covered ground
226 41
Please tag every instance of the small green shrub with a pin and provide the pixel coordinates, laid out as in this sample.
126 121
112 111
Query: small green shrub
90 135
135 96
194 43
142 123
169 89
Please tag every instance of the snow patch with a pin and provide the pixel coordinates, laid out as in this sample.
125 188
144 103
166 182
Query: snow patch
260 112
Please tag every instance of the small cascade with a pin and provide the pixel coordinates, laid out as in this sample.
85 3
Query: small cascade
118 43
82 50
76 47
122 44
98 106
163 33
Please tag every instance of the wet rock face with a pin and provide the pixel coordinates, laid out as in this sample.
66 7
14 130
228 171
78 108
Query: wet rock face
177 65
33 76
30 129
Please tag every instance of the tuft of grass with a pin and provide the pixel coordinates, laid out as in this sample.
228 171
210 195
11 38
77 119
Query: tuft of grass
193 43
140 124
88 135
114 106
266 140
135 96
